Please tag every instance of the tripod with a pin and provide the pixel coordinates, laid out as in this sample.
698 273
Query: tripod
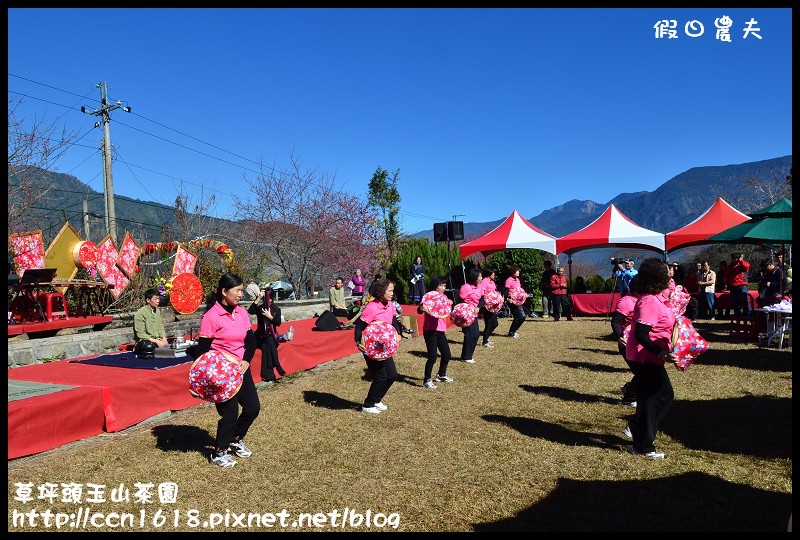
611 298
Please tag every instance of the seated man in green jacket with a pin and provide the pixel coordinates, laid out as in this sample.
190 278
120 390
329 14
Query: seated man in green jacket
336 298
148 328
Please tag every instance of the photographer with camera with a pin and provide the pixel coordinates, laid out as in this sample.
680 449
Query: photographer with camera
624 272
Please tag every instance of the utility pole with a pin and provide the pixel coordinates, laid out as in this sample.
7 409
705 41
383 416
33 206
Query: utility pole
104 112
86 218
463 271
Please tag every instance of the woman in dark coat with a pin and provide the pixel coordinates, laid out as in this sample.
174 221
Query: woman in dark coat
268 316
417 281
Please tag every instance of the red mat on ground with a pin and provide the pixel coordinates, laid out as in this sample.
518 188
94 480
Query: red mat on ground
112 398
58 324
41 423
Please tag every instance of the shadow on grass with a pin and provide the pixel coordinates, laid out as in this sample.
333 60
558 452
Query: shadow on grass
329 401
691 501
757 359
758 426
596 351
534 428
172 438
595 367
565 394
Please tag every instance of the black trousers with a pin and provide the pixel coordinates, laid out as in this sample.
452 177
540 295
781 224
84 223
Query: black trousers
471 336
489 324
436 341
561 303
519 317
233 426
654 396
269 359
384 373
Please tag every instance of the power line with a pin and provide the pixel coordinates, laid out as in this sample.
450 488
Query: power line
272 169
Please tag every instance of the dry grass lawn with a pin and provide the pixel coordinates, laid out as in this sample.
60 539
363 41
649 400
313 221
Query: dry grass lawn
526 439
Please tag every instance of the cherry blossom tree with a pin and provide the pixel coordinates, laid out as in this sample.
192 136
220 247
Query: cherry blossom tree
310 226
34 146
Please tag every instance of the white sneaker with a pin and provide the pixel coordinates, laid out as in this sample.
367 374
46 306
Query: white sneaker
371 410
381 406
489 345
514 335
469 361
429 385
648 455
444 378
223 459
240 449
627 432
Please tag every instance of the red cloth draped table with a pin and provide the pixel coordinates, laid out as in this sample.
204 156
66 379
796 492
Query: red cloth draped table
594 303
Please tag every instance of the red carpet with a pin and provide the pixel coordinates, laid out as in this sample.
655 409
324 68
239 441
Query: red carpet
53 326
111 399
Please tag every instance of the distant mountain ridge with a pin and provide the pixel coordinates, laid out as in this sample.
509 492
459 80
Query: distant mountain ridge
677 202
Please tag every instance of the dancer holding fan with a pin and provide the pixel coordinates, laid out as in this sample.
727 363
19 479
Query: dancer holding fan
490 305
436 307
472 295
516 297
381 367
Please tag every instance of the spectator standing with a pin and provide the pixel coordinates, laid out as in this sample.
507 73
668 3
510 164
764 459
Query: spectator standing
722 286
433 331
561 299
650 345
384 372
490 323
737 273
268 319
358 282
580 286
470 293
148 328
707 285
690 282
226 327
336 298
516 311
624 272
769 287
544 285
417 281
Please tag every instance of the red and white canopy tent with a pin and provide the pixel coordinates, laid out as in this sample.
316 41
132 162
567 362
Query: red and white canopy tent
514 233
611 229
719 217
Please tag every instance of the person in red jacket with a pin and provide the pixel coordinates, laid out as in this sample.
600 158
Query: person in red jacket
561 300
736 277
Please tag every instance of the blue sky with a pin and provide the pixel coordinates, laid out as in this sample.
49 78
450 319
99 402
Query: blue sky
483 111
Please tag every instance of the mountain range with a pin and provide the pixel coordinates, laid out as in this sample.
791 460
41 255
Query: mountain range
675 203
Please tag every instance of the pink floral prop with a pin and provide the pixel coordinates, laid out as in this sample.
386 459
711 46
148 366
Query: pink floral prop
107 267
380 340
493 301
687 343
215 377
128 255
463 315
28 250
517 295
438 304
184 262
85 254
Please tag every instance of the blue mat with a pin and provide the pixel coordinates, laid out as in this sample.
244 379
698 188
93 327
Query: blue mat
129 360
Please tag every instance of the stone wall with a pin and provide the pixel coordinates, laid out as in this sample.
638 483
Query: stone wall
75 343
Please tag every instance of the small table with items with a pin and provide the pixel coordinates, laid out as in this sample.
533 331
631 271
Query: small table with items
779 321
